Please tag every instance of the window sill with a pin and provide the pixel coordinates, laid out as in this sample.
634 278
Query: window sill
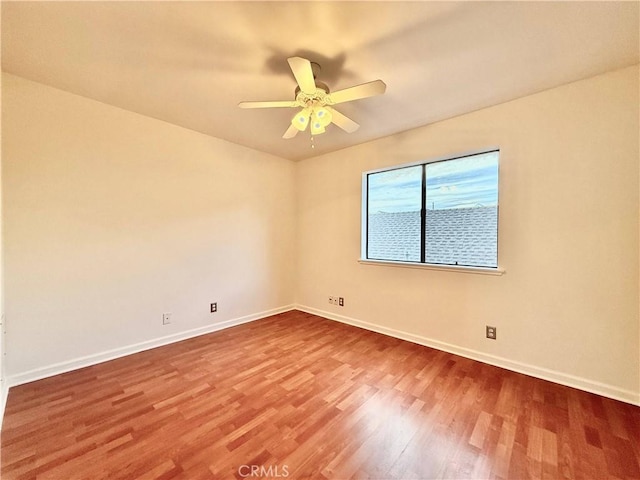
430 266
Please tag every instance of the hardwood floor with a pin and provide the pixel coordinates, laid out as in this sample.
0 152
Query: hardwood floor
298 396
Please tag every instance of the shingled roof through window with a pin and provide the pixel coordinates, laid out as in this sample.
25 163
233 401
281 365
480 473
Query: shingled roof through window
463 236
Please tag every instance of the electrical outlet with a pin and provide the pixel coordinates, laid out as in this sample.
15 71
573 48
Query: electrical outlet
341 301
331 300
492 332
214 307
166 318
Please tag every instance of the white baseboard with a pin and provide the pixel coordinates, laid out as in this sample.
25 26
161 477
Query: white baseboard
610 391
87 361
4 393
580 383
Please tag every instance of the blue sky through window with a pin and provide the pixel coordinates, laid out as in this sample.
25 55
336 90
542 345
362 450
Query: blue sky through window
460 183
396 190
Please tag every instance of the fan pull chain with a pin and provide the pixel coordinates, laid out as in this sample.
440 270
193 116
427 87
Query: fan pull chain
312 144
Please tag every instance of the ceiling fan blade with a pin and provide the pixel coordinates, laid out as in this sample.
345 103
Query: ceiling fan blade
370 89
301 68
284 103
291 132
345 123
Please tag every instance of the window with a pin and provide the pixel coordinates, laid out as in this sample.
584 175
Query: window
444 212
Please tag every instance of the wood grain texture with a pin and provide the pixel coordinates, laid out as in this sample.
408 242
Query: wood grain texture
299 396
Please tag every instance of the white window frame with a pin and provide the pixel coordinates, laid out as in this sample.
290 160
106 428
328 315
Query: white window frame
428 266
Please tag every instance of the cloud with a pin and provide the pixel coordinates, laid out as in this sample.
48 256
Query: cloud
464 182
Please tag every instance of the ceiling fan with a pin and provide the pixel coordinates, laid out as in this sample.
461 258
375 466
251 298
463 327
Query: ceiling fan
315 101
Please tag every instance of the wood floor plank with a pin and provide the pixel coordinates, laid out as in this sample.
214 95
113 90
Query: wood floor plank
318 399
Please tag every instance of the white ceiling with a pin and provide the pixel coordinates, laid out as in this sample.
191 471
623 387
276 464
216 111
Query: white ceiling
190 63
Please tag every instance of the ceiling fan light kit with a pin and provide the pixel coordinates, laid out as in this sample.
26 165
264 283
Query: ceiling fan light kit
315 100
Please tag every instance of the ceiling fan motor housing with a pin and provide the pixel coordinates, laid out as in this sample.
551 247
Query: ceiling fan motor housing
322 90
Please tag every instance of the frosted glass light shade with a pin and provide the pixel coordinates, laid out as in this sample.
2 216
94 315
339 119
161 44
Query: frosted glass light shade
301 119
322 115
316 127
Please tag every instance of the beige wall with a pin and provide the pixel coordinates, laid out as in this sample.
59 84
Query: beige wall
567 307
112 218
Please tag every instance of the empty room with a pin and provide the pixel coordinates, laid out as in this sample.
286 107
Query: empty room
323 240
